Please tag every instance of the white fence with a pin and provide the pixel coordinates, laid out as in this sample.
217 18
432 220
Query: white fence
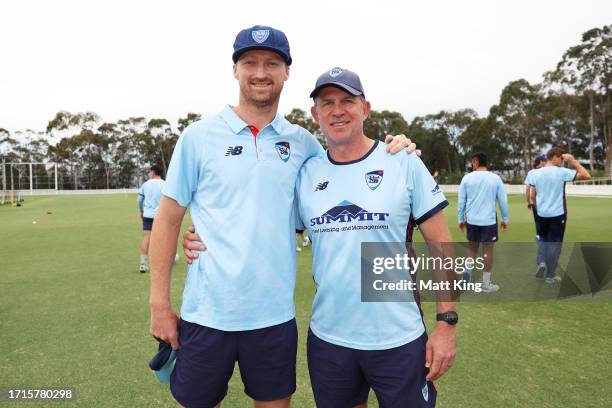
75 192
570 189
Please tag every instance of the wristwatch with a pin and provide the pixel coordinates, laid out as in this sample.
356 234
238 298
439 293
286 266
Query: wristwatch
450 317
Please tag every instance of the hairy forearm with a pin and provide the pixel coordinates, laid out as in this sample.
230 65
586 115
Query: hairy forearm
166 229
437 235
528 194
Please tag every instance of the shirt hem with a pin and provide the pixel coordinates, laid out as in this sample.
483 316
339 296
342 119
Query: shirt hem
238 327
386 346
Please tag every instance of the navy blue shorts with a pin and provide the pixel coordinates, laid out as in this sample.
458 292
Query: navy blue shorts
341 377
551 229
206 357
480 233
147 224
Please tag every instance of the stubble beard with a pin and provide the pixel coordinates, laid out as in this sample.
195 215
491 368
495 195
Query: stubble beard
267 102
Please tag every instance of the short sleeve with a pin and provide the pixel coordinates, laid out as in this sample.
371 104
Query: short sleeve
427 198
527 181
568 174
313 147
184 171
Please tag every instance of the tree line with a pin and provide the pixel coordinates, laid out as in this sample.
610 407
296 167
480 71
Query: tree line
569 108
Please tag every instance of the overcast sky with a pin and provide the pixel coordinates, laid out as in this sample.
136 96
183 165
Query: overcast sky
164 59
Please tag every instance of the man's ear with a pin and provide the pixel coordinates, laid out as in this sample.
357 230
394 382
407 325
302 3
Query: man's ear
235 68
287 71
313 112
367 108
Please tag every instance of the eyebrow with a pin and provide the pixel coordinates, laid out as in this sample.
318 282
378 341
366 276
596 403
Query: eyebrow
346 98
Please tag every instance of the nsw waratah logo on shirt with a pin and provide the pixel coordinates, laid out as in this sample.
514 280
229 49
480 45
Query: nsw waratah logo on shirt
347 212
374 178
260 35
283 149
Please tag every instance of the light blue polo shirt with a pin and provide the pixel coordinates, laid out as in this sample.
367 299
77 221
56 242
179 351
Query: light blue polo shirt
549 183
529 176
240 190
479 192
343 205
149 195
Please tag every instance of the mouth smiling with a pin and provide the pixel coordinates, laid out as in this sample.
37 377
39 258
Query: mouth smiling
339 124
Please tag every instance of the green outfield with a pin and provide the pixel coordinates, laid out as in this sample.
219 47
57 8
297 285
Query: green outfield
74 313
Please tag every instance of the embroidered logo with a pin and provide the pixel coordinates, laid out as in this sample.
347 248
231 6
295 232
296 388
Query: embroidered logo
374 178
322 186
260 35
233 151
284 150
335 72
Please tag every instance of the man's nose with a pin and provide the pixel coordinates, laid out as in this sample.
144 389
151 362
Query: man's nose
260 72
337 110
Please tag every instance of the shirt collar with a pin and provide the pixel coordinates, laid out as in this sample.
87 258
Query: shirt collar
237 124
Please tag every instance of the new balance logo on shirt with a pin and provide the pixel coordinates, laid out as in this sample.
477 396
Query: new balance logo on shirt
233 151
321 186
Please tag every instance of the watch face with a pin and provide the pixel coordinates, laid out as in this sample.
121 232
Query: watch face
449 317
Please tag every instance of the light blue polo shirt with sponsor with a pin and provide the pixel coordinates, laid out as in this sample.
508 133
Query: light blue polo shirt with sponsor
343 205
149 195
479 192
549 183
240 190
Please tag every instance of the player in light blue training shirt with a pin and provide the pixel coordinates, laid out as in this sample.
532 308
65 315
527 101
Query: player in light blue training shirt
548 194
538 162
149 195
358 193
236 171
479 192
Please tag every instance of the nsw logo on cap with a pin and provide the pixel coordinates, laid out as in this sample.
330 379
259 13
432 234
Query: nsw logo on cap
260 35
335 72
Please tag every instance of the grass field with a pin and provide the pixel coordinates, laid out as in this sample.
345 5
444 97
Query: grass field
74 313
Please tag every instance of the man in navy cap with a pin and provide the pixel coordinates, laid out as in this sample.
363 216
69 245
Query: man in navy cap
358 193
236 171
355 346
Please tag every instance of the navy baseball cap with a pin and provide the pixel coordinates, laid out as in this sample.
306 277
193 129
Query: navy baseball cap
262 38
340 78
162 363
539 159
